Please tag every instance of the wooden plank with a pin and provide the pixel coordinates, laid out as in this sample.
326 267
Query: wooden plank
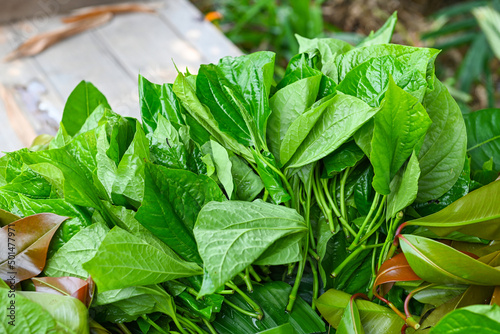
83 57
151 47
37 11
189 23
30 103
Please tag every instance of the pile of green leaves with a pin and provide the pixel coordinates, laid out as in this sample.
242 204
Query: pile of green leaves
233 182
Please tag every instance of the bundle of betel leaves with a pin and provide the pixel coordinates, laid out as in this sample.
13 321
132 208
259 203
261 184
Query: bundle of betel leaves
241 203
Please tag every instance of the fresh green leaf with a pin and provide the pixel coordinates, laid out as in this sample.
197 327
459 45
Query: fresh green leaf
172 200
438 263
483 137
338 122
124 260
399 128
477 318
232 235
247 184
474 214
223 167
442 154
375 318
272 181
404 188
350 323
347 155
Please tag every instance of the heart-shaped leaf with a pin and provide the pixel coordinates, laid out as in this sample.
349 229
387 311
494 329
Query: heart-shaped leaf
232 235
438 263
25 244
477 214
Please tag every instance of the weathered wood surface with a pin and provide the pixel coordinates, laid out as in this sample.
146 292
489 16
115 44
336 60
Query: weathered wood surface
33 90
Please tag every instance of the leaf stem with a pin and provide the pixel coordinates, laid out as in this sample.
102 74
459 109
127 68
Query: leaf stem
246 278
189 324
373 222
348 230
152 323
362 228
351 256
242 311
315 283
285 180
249 300
300 271
254 274
123 328
209 326
343 209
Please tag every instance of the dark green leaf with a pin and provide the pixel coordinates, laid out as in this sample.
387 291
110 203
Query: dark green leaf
347 155
270 178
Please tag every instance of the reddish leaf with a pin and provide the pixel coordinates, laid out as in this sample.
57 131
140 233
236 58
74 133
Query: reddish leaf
24 246
68 286
396 269
90 290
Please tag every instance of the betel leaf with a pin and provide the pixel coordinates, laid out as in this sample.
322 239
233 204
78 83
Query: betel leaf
347 155
80 104
398 128
223 166
232 235
476 214
124 260
438 263
200 113
68 260
149 101
417 58
480 319
272 297
350 323
375 318
369 80
338 122
25 244
24 316
247 184
442 154
287 104
363 190
459 190
328 48
253 76
211 89
404 188
300 128
128 186
383 35
70 314
272 181
172 200
483 137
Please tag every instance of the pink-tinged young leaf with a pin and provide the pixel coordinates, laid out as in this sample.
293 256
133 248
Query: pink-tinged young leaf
24 246
69 286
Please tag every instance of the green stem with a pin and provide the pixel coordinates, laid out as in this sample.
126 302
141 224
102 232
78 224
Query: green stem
315 283
254 274
373 222
249 300
242 311
322 204
266 195
343 209
123 328
209 326
351 256
367 219
313 254
345 224
291 267
152 323
246 278
300 271
189 324
374 270
285 180
307 212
